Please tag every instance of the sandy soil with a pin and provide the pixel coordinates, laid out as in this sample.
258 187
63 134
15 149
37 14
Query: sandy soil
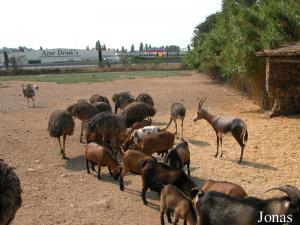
56 191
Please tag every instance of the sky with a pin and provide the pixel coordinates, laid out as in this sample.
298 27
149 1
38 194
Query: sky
80 23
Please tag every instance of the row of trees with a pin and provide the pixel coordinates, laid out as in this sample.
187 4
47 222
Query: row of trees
142 47
226 42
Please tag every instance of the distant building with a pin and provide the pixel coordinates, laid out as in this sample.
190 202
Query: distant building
60 56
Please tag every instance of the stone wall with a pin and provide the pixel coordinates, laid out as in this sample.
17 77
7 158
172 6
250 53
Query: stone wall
283 85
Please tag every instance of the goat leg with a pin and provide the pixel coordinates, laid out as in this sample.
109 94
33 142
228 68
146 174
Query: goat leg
143 195
99 169
162 221
169 215
93 167
121 184
87 166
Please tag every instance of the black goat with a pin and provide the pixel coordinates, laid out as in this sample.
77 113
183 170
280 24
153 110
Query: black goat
214 208
154 174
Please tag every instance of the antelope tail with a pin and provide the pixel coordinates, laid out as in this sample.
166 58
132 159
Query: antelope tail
245 136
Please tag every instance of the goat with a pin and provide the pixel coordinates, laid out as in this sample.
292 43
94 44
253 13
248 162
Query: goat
220 209
177 112
101 156
223 125
173 199
139 125
160 143
132 162
179 156
225 187
60 124
140 133
155 173
10 193
29 92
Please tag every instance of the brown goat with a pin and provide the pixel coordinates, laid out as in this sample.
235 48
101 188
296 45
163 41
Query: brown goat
101 156
172 198
179 156
225 187
132 161
160 143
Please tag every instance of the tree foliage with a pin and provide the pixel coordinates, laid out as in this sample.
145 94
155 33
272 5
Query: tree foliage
226 42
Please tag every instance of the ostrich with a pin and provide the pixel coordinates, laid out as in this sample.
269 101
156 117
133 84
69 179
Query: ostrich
29 92
10 193
177 112
60 124
108 126
99 98
137 111
122 99
84 111
102 107
146 98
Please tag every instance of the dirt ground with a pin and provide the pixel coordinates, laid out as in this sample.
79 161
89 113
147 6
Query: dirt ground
57 191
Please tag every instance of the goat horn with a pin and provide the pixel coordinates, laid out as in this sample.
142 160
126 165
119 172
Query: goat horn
291 191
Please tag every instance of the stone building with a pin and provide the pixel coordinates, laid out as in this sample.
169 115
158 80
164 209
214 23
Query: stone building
283 78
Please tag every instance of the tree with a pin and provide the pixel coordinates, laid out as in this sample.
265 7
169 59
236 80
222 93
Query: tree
117 50
6 61
149 46
122 49
41 48
132 48
141 48
98 45
189 48
87 47
104 47
146 46
21 49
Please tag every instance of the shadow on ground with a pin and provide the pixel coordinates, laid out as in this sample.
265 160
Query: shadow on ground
77 163
198 143
256 165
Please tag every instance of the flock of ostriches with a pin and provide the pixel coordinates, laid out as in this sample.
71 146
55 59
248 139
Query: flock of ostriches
125 141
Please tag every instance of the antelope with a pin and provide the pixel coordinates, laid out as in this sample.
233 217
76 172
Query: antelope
224 125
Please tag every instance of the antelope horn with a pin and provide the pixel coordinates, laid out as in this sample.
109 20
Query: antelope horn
291 191
201 102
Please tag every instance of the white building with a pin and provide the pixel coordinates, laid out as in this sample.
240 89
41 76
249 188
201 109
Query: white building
60 55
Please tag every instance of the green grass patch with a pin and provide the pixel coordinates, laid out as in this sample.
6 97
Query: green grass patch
94 77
